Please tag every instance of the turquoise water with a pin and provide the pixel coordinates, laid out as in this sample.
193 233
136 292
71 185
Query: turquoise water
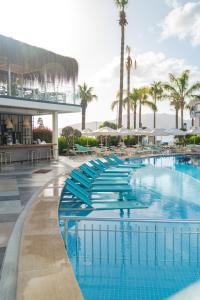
141 259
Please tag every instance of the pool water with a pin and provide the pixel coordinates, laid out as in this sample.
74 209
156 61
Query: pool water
150 253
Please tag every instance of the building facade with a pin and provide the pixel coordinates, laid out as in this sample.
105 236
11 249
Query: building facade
33 81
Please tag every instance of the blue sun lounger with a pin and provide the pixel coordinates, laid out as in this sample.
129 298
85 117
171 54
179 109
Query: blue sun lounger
90 171
78 175
119 188
105 204
123 162
107 168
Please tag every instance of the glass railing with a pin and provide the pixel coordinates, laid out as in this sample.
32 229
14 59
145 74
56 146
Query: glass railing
48 96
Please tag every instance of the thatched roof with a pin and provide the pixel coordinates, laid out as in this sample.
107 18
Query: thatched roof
31 61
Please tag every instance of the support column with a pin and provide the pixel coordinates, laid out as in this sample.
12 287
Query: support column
9 80
55 133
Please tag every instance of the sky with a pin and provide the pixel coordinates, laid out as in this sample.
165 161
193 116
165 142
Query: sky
164 36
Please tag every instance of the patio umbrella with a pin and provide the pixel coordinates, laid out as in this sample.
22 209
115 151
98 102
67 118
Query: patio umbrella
87 132
141 132
176 132
124 132
194 131
158 132
105 131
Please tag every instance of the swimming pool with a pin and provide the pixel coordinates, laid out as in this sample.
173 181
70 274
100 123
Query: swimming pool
148 253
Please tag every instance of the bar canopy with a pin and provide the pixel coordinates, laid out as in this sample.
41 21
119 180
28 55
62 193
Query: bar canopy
34 63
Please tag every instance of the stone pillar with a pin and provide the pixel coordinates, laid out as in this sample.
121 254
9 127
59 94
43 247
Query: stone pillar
55 133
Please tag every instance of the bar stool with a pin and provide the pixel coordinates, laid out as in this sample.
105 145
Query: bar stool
32 156
51 153
7 157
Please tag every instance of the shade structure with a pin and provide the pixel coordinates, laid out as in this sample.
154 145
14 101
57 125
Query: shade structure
194 131
124 132
105 131
176 132
158 132
141 132
87 132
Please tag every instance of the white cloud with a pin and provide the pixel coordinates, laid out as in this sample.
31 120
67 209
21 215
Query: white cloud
150 66
172 3
183 22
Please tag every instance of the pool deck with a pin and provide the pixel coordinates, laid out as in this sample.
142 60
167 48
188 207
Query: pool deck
32 253
33 260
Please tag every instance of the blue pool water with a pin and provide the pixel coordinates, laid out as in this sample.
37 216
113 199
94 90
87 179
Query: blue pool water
143 255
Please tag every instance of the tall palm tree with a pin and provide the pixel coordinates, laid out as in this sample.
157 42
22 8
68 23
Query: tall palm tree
129 64
133 99
121 4
175 102
115 103
156 92
143 97
180 90
86 97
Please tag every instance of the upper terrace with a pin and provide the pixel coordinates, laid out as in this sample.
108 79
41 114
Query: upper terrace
36 75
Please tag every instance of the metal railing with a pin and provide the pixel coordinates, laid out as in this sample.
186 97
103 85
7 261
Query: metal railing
132 241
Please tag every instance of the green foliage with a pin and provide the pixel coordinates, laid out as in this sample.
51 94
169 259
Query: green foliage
70 133
62 145
108 124
84 141
44 134
193 139
130 140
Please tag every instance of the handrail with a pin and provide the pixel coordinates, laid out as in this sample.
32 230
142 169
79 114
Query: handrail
73 218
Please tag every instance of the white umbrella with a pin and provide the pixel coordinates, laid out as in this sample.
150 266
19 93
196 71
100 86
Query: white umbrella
159 132
105 131
87 132
176 132
124 131
194 131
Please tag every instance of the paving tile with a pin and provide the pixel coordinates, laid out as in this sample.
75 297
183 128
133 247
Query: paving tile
5 232
14 208
8 218
2 252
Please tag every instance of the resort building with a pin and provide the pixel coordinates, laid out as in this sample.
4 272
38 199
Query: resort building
33 81
196 115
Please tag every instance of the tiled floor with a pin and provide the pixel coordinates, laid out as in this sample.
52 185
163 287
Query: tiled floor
18 183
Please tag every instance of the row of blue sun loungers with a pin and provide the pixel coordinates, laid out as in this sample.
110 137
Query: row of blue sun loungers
110 175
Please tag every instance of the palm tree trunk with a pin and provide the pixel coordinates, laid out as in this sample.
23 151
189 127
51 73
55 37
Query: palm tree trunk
121 77
154 115
140 115
182 121
192 122
83 117
135 115
176 118
128 94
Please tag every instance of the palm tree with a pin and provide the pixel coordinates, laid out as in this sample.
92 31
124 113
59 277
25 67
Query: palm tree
156 92
143 94
175 102
115 103
121 4
178 88
133 99
86 97
129 64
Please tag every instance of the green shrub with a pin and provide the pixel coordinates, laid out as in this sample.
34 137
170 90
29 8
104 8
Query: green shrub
193 139
62 144
84 141
44 134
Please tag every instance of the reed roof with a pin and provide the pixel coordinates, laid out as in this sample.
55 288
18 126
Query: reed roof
33 62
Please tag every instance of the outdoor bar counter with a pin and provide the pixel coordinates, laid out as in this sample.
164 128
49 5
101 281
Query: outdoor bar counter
21 152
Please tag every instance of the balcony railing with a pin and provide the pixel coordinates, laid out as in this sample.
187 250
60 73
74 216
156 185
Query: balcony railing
38 95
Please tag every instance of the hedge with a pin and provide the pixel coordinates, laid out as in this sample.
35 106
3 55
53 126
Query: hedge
44 134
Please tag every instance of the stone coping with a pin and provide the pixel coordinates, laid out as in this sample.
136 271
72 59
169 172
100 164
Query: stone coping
44 270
